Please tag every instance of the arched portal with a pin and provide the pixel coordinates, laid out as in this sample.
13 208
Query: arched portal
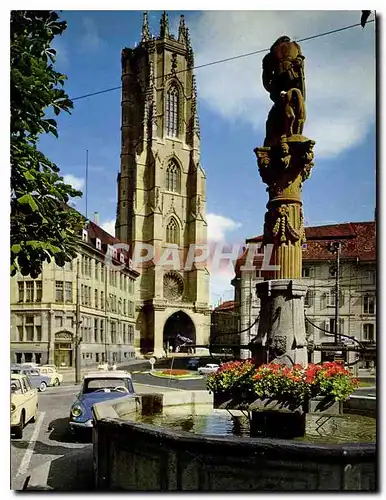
179 333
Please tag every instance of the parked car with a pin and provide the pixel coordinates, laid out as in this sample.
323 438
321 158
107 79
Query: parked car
24 403
209 368
38 381
193 363
96 387
50 371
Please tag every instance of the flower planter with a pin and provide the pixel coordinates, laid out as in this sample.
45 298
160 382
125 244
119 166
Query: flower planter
321 405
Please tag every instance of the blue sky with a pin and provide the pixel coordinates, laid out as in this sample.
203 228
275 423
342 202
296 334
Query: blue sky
233 106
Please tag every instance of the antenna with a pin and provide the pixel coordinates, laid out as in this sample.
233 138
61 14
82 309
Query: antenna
86 184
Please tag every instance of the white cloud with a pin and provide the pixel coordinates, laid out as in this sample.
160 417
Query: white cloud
220 287
220 277
109 226
62 59
91 40
75 182
218 226
340 71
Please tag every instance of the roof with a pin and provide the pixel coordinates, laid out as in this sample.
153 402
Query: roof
225 306
358 243
107 374
18 376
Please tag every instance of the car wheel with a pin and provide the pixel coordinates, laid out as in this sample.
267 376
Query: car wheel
20 427
42 386
35 416
56 382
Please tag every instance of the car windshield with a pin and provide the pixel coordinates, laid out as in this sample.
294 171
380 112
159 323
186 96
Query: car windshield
15 387
93 385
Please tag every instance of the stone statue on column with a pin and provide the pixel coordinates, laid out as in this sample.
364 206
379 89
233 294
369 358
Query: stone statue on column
285 162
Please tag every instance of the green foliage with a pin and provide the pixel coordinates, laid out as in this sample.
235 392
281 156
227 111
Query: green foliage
42 224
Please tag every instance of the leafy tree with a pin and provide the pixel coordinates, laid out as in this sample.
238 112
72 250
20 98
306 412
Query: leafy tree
43 226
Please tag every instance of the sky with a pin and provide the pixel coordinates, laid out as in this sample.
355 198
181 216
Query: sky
233 107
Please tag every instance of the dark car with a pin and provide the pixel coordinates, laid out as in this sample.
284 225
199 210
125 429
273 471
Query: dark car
194 363
96 387
38 381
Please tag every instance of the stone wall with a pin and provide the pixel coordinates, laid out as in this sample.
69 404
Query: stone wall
133 456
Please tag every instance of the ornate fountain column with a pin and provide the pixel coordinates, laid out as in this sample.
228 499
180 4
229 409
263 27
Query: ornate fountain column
285 162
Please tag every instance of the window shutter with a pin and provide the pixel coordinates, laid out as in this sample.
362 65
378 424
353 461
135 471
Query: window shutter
341 298
323 298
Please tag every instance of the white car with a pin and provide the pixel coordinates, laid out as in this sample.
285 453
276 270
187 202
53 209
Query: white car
205 370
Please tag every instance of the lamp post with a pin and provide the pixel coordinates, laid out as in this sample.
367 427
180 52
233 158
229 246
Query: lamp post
78 322
335 249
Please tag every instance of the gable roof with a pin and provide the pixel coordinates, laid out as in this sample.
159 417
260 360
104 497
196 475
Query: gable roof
358 243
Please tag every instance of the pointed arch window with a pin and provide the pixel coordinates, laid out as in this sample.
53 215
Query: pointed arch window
173 177
172 111
172 231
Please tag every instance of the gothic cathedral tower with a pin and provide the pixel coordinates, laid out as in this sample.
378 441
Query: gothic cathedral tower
161 187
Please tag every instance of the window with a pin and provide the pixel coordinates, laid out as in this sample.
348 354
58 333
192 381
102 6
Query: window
29 291
172 111
173 177
130 311
20 330
29 328
369 304
21 291
131 334
113 332
102 326
38 333
131 285
59 291
124 307
69 320
68 291
96 325
307 272
309 298
102 273
97 266
172 231
368 332
38 286
331 298
102 300
58 321
369 276
96 302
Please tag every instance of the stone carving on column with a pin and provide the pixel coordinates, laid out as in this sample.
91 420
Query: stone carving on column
285 161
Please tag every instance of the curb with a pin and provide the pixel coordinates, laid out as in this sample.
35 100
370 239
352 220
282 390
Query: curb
176 377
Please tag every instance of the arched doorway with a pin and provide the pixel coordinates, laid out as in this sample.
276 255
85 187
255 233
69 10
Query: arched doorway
63 350
179 333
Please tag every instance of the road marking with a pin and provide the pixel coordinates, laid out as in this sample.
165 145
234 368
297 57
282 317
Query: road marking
31 445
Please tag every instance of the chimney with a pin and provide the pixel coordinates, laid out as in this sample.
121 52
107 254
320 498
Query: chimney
96 218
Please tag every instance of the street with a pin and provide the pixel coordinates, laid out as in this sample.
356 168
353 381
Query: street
47 445
47 453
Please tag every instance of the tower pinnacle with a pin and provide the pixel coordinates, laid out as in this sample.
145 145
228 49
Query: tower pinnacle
145 28
164 25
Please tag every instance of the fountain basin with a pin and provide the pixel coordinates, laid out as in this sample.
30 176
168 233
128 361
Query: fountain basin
136 456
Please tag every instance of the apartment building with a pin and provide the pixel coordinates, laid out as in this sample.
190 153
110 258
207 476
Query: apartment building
224 325
44 310
357 280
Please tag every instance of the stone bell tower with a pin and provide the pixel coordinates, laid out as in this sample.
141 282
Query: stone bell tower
161 187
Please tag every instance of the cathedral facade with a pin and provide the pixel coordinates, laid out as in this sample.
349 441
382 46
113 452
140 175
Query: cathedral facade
161 189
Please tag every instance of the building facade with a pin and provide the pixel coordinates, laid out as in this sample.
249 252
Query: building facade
357 283
161 187
224 326
44 311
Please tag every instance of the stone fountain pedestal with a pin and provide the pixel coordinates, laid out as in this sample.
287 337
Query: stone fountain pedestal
281 334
